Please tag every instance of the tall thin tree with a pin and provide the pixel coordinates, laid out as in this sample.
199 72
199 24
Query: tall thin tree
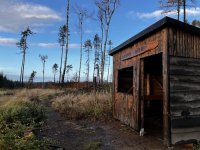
109 49
62 42
82 14
88 47
69 68
43 58
107 7
67 42
54 70
97 54
101 22
22 44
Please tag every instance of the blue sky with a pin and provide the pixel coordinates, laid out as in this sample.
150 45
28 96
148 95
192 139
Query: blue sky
46 16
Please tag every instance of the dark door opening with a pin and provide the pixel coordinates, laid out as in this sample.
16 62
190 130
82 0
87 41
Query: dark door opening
152 94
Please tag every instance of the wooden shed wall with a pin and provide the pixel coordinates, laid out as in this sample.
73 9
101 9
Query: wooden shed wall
184 80
183 43
125 106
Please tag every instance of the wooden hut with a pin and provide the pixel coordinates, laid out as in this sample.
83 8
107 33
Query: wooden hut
156 81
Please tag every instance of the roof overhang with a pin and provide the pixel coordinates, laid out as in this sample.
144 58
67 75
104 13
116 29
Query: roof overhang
165 22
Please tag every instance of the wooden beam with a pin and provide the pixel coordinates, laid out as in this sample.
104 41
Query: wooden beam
166 125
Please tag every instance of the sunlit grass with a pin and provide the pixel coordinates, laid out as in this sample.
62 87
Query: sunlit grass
84 105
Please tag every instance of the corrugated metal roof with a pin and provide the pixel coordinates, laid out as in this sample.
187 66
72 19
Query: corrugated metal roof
165 22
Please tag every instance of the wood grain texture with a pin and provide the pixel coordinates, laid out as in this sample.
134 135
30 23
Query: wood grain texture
185 97
126 107
183 43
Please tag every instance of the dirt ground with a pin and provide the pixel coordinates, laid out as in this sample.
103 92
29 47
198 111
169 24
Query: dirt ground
105 135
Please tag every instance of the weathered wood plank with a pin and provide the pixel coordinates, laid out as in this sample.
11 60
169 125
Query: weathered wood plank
183 137
181 61
185 111
185 70
184 86
185 97
185 121
167 49
185 79
183 43
185 130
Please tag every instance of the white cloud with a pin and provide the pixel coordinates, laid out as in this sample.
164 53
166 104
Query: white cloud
154 14
88 31
74 45
193 11
48 45
16 15
12 42
8 41
159 13
56 45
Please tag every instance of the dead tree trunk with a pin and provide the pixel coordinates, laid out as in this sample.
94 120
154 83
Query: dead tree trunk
81 50
61 65
67 43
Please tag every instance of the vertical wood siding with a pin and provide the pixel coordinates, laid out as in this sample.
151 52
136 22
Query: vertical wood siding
183 43
126 106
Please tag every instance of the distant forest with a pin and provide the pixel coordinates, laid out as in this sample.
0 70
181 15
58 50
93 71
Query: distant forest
5 83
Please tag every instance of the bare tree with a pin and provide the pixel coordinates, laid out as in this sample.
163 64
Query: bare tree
107 8
88 47
55 70
185 4
171 6
32 76
97 54
175 5
43 59
67 43
101 22
22 44
75 77
82 14
110 47
62 42
69 68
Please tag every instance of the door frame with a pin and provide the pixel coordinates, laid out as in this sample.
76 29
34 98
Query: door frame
166 116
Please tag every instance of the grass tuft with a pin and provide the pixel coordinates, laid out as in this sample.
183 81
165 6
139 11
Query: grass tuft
95 145
84 105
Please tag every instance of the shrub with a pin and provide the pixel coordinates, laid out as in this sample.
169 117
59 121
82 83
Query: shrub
197 146
25 112
17 121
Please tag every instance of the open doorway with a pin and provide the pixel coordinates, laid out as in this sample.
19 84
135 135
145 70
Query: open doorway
152 94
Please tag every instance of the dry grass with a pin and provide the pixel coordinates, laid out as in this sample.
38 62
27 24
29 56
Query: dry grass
73 103
7 96
84 105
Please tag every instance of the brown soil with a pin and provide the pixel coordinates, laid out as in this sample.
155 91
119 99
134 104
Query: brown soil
105 135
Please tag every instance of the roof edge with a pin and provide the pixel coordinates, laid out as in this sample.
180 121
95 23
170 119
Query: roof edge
152 28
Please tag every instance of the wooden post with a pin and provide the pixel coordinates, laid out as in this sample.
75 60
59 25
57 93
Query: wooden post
148 84
165 61
142 94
